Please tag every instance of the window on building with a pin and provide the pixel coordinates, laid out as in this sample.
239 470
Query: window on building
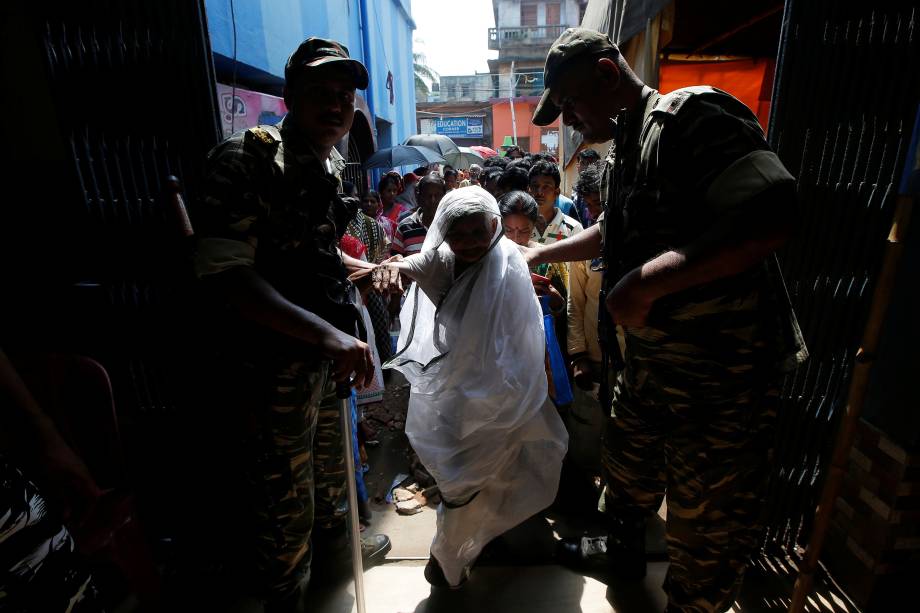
451 91
553 12
549 141
465 90
528 14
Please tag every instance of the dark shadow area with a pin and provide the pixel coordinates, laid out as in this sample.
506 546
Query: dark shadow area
509 591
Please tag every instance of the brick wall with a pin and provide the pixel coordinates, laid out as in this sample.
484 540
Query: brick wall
873 548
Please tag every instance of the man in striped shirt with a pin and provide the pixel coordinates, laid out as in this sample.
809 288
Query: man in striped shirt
411 231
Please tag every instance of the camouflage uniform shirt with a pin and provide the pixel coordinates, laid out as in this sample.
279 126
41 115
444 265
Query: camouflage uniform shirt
689 158
269 202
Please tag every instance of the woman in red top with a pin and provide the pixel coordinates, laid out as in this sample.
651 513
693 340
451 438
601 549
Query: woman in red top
389 187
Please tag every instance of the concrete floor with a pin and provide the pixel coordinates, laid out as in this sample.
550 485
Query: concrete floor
520 576
400 587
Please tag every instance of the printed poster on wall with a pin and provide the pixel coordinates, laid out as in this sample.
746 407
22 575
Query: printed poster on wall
243 109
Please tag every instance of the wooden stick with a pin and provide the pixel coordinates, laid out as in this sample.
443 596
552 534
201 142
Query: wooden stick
881 298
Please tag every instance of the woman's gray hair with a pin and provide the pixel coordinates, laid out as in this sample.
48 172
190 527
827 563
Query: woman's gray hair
456 205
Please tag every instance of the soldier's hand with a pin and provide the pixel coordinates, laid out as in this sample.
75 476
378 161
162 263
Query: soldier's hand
629 301
529 253
349 355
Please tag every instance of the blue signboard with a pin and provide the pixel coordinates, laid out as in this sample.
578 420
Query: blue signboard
459 126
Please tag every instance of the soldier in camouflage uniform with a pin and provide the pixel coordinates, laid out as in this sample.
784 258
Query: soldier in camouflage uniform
695 205
269 225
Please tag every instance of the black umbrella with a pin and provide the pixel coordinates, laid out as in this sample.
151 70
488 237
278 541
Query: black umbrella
438 142
403 155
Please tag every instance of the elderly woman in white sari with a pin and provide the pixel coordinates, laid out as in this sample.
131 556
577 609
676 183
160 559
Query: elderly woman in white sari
472 348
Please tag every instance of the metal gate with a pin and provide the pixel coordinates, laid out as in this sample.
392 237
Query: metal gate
354 167
132 93
846 91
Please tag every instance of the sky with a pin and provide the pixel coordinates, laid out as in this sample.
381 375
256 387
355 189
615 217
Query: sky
454 36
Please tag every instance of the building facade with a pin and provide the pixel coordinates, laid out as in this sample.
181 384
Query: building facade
459 108
467 88
251 42
523 33
466 123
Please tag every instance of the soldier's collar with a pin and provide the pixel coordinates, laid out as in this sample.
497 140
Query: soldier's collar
635 117
304 150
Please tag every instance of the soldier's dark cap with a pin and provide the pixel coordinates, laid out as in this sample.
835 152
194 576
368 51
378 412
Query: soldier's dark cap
572 44
315 52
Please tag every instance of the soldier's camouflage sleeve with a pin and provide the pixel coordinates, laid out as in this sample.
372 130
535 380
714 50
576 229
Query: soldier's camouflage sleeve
717 148
227 214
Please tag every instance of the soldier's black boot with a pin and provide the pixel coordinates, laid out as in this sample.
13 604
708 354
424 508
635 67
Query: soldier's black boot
621 552
626 548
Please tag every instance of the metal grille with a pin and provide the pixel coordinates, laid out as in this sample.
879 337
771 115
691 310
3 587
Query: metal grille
846 91
134 94
354 168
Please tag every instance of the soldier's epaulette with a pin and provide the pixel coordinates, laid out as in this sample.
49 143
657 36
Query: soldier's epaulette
673 102
263 135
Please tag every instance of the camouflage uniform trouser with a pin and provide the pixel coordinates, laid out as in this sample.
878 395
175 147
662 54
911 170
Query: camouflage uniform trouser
296 476
712 457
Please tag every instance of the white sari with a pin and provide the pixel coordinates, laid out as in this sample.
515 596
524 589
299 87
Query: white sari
473 350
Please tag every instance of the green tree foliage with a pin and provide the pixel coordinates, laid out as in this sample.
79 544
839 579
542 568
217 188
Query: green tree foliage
423 74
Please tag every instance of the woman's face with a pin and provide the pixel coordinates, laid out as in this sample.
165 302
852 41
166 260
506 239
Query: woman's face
470 237
388 193
518 228
369 205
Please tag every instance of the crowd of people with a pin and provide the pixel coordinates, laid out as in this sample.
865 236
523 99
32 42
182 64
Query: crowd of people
631 333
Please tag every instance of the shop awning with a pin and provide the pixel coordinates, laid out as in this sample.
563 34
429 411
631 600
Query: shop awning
621 19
